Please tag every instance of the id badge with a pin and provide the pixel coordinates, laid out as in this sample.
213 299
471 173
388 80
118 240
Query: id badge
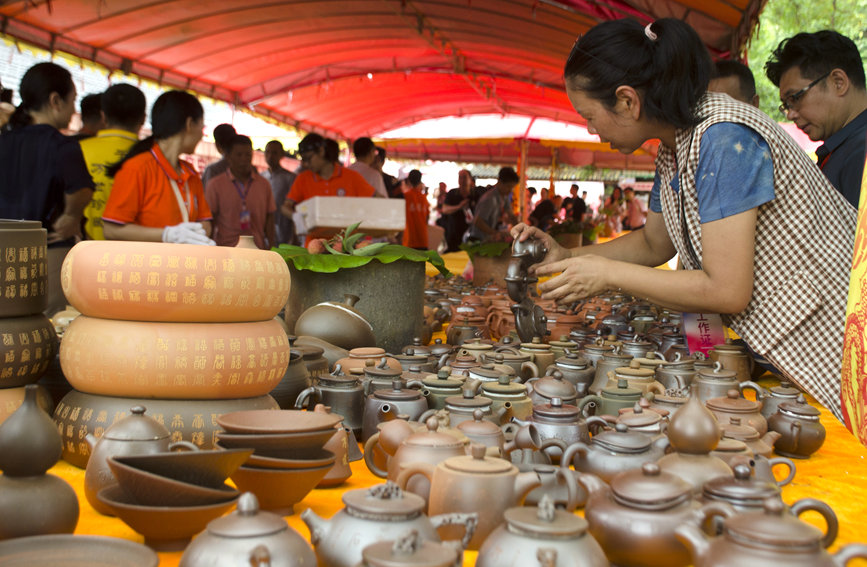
245 220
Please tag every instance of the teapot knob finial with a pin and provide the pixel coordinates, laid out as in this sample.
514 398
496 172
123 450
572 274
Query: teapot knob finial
477 450
432 424
248 504
478 415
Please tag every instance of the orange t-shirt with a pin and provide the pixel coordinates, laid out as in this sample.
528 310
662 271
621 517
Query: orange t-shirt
417 209
143 195
342 183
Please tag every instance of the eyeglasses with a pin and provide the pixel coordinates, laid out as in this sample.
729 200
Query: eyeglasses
793 99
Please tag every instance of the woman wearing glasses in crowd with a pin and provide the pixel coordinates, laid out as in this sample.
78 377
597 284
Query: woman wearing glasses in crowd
734 196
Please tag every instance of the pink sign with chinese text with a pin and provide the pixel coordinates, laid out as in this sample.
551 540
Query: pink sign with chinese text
703 330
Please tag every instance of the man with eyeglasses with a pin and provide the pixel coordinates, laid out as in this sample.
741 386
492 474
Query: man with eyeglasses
822 89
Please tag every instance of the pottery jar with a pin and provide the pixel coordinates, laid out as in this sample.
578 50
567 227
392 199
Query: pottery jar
440 387
36 505
411 550
385 404
733 357
563 345
714 383
295 380
339 323
461 330
28 348
801 432
759 444
343 394
136 434
510 395
249 536
614 451
773 397
476 348
461 408
611 399
312 355
410 358
634 520
766 539
475 483
643 379
534 536
636 347
733 405
378 376
564 423
521 363
543 356
577 370
29 441
593 351
482 431
608 362
23 268
356 361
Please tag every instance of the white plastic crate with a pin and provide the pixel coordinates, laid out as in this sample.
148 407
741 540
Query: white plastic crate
324 216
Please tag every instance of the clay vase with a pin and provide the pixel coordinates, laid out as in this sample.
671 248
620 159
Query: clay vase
23 268
28 348
29 441
338 323
11 399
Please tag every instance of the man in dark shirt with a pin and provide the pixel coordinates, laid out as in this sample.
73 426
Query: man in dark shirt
456 210
579 206
822 88
543 214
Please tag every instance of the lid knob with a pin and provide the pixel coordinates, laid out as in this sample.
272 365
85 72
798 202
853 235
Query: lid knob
432 424
742 471
504 379
443 373
622 383
634 364
556 402
478 415
477 450
650 469
248 504
138 410
545 511
733 394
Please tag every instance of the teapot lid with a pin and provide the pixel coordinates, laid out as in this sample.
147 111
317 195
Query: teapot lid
440 348
411 355
442 380
478 463
384 499
616 355
637 417
136 427
308 352
785 389
564 341
409 550
739 431
599 348
733 402
650 488
556 409
775 528
476 344
729 445
717 372
622 390
573 360
468 400
417 348
742 488
247 521
545 520
536 344
382 371
433 438
800 408
504 385
397 393
621 440
479 426
555 386
366 352
635 370
486 372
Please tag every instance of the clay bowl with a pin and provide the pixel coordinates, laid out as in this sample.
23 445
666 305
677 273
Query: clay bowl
75 551
202 468
278 490
275 441
291 459
165 528
278 421
149 489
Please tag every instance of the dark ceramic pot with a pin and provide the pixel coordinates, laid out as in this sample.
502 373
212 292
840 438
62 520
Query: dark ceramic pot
23 268
36 505
27 348
11 398
187 420
29 442
295 380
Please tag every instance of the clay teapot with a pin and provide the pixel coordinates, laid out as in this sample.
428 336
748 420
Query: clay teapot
411 550
576 370
677 374
474 483
614 398
378 376
509 395
482 431
759 444
542 354
379 513
774 396
358 358
614 451
607 362
643 507
465 328
461 408
521 363
552 385
414 357
136 434
767 539
343 394
249 536
714 383
801 432
383 405
733 357
745 492
644 420
732 405
541 534
339 323
476 348
442 386
560 421
643 379
636 347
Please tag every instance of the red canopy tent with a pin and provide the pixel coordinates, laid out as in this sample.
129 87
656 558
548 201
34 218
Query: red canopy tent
361 67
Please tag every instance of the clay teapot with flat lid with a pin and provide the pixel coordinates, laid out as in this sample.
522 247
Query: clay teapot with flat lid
613 451
442 386
411 550
801 432
747 493
637 377
759 444
343 394
636 346
733 357
635 518
733 405
774 396
576 370
521 363
552 385
770 538
249 536
714 383
507 394
677 374
563 422
543 356
386 404
593 351
607 363
461 407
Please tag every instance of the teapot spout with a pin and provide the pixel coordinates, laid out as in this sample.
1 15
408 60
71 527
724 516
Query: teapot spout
317 525
694 540
504 414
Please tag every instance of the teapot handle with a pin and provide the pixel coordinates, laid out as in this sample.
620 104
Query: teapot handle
569 453
789 464
531 368
369 460
469 521
805 504
260 556
750 385
596 420
593 401
183 446
412 469
303 396
572 489
712 514
850 552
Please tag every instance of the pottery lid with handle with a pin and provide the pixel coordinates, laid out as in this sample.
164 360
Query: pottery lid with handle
557 410
545 520
247 521
615 355
440 348
717 373
476 344
800 408
409 550
650 488
622 440
572 360
555 386
622 391
735 429
504 386
564 342
785 390
536 345
740 489
637 417
729 445
635 371
485 372
442 380
397 393
733 402
417 348
477 463
774 527
479 426
136 427
468 400
384 500
382 372
430 437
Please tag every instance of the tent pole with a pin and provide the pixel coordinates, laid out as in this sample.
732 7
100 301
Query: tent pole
522 174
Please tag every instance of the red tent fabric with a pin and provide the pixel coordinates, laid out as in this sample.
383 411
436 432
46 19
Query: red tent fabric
360 67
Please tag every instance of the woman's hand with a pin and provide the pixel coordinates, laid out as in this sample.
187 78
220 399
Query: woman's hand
521 232
581 277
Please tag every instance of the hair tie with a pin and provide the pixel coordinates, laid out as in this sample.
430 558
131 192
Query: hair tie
649 33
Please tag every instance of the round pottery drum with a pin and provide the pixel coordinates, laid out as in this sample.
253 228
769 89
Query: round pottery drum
196 361
187 420
23 268
28 345
154 281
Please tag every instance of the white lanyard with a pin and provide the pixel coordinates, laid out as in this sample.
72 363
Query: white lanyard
182 204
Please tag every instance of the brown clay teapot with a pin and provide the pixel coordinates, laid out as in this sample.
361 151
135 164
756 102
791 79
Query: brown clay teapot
552 385
766 539
614 451
733 405
801 432
566 423
411 550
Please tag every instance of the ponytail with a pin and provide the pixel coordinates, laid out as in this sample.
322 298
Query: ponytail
140 147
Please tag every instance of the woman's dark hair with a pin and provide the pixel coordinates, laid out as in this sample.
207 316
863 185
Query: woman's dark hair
671 72
168 117
37 84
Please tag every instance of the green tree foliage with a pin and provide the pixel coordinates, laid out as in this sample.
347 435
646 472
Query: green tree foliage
784 18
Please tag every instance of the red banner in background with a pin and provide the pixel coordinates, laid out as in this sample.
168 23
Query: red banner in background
703 331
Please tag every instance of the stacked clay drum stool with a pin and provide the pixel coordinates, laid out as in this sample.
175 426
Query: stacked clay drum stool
186 331
28 343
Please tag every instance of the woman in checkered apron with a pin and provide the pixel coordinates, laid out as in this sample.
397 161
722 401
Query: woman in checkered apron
765 239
